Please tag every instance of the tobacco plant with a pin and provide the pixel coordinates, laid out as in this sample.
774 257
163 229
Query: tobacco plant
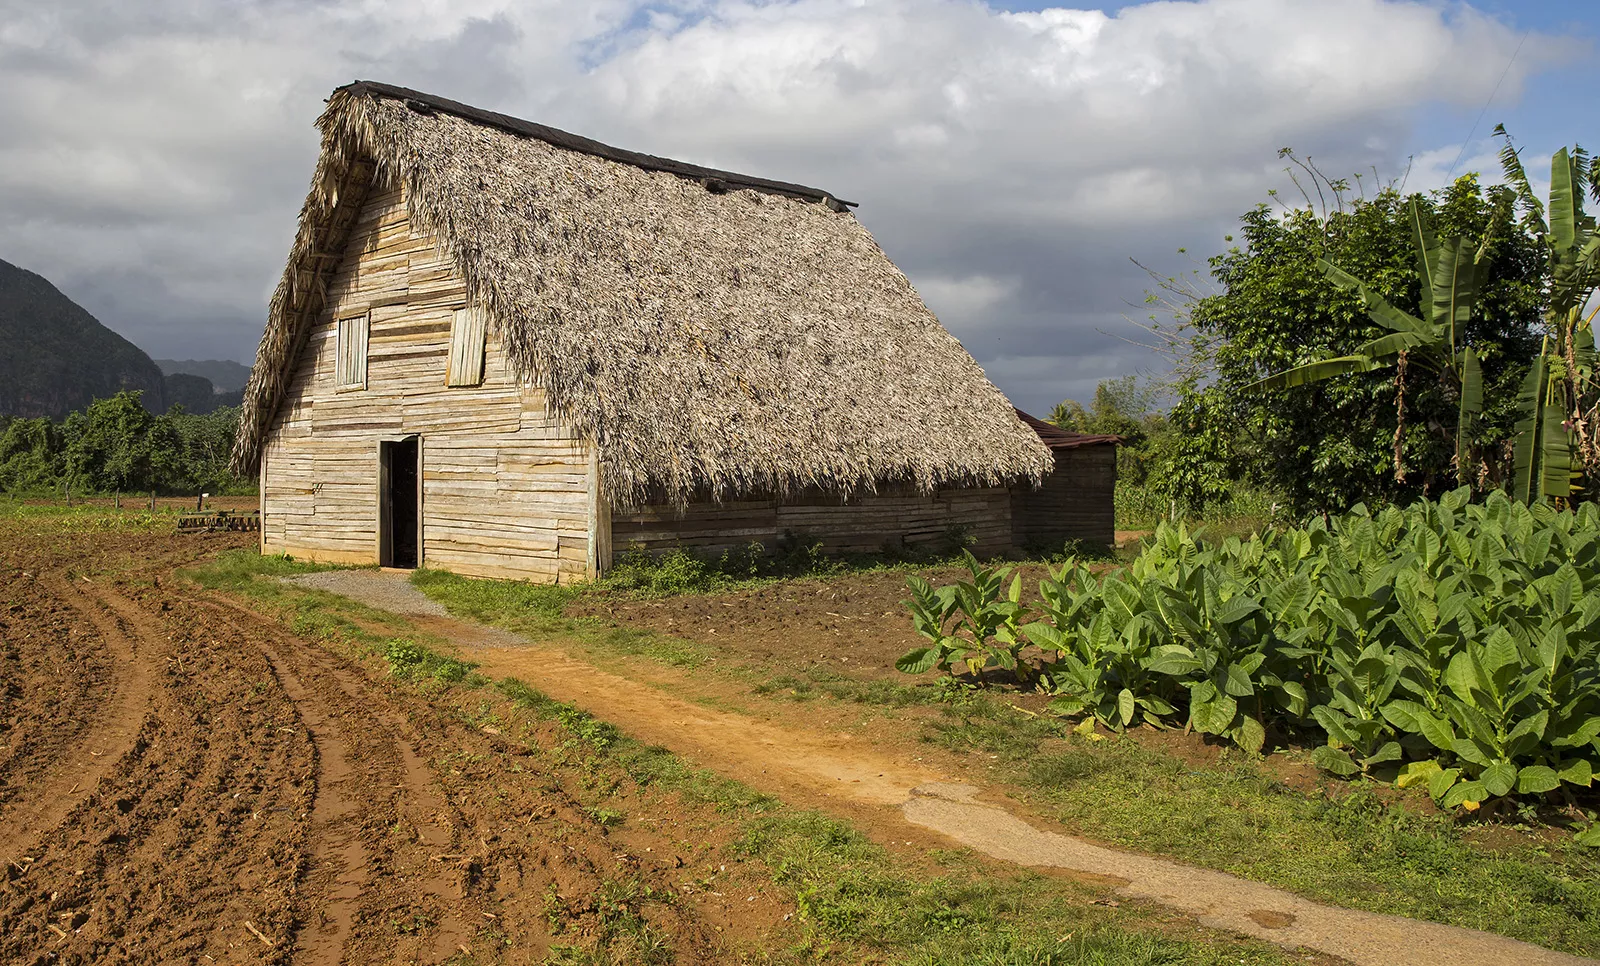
985 614
1450 644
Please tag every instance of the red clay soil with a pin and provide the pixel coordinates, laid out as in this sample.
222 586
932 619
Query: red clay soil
183 781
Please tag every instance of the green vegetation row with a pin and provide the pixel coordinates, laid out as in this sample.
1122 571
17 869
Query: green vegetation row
1449 643
115 445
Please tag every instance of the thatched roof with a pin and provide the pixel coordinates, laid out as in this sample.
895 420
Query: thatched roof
716 334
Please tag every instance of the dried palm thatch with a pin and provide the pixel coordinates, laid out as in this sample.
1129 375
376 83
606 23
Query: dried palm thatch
715 334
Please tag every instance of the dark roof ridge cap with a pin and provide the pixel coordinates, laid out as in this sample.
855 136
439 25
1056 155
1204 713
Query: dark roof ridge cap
581 144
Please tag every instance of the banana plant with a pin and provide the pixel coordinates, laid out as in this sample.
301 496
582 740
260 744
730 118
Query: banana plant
1557 432
1448 270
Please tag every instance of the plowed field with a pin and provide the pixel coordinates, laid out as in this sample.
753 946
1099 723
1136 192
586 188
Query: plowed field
184 781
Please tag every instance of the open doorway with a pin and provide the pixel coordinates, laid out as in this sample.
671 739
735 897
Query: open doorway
399 502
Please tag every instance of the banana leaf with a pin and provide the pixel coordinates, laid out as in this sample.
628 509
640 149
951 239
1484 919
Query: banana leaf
1555 461
1511 164
1427 245
1527 478
1316 372
1378 307
1566 206
1391 345
1455 289
1471 405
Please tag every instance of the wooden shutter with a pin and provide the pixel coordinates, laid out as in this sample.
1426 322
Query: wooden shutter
466 348
350 370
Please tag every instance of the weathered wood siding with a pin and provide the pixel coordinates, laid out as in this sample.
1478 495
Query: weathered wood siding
505 488
897 517
1076 502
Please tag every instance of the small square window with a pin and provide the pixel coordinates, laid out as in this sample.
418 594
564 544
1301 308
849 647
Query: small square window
350 369
466 348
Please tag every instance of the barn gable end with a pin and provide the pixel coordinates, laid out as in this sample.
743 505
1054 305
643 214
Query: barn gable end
506 489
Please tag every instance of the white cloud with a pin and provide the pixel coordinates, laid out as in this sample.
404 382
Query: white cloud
154 155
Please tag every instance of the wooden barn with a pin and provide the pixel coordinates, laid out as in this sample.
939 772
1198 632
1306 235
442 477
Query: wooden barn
505 350
1077 500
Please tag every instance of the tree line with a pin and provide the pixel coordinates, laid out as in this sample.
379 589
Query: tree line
1306 362
115 445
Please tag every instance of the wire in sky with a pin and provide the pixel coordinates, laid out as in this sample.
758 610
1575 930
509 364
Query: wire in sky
1486 103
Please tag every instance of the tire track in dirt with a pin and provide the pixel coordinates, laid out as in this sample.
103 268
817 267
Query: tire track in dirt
365 753
337 854
79 769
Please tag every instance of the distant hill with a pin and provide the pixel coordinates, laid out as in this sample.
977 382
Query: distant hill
225 374
55 357
197 395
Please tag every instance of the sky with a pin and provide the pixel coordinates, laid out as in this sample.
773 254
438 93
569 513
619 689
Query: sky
1012 159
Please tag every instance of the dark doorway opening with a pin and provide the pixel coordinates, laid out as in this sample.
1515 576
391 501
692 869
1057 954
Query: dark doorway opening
398 488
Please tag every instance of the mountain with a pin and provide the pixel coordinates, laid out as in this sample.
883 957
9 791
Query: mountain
55 357
197 395
225 374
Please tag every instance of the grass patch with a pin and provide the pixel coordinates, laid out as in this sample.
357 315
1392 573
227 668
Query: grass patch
1353 848
236 570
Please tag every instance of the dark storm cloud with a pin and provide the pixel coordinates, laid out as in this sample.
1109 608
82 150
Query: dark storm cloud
153 156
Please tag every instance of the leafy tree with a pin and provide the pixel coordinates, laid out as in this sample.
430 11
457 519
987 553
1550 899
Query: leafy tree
1338 442
1128 407
204 443
30 455
115 444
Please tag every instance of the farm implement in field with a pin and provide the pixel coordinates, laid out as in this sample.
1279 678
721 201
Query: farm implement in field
209 521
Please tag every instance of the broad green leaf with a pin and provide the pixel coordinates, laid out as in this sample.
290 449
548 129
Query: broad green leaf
1566 202
1499 778
1249 735
1463 792
1068 705
1454 289
1536 779
1214 717
1237 682
1290 597
1590 836
918 660
1578 771
1045 636
1173 660
1442 781
1334 760
1125 706
1427 246
1235 610
1528 477
1317 371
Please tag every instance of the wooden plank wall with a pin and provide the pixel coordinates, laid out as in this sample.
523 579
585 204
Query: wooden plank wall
505 487
1076 502
867 524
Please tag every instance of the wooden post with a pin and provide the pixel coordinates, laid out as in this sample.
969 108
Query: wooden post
599 519
199 503
116 501
152 501
67 489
